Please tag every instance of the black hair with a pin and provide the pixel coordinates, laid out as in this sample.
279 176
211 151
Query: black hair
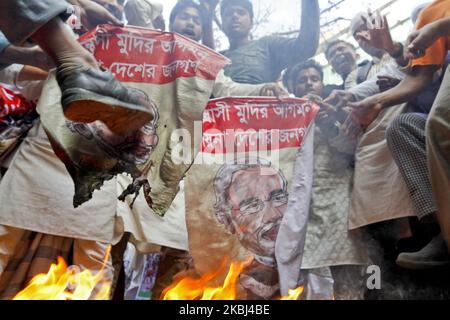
335 42
183 4
291 73
243 3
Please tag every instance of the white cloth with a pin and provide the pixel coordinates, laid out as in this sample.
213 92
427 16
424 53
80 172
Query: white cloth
31 90
369 87
290 242
226 87
379 192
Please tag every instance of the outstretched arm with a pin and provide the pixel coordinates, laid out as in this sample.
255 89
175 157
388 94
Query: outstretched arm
307 41
368 109
287 52
208 32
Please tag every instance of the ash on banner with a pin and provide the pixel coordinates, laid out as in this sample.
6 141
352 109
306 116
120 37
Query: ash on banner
176 73
241 192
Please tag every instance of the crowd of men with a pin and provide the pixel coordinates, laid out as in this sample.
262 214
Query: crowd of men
381 145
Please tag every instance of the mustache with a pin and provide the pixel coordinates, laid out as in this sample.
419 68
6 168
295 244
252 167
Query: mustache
268 229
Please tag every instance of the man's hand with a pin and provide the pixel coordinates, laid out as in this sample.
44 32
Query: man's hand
340 98
385 83
327 117
351 127
378 34
40 59
366 111
273 90
210 5
93 14
418 41
326 113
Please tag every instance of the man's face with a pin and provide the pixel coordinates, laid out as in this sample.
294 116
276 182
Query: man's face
188 23
342 58
362 33
258 202
308 81
236 22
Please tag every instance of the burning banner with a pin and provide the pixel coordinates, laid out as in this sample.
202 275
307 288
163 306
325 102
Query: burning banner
17 116
247 192
177 75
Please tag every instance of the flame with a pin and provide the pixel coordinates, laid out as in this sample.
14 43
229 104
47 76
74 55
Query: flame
67 283
189 288
293 294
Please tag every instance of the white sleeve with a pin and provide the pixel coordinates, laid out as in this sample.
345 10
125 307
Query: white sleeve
226 87
369 87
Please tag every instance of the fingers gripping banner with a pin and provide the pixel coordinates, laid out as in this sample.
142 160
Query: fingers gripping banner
239 188
176 73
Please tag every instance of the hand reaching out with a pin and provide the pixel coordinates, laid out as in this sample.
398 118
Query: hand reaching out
366 111
378 34
418 41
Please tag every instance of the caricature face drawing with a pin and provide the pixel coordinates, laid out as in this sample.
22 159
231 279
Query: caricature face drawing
250 202
135 147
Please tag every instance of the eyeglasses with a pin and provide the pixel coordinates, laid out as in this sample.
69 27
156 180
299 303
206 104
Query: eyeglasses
256 205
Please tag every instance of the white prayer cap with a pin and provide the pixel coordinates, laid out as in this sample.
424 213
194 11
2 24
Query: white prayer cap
357 22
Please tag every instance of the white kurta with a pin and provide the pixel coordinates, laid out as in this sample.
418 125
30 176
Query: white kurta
379 191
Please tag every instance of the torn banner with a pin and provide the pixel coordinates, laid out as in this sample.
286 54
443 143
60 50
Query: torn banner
240 191
175 72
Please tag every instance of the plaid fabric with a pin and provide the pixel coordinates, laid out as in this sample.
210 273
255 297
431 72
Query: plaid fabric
24 254
406 140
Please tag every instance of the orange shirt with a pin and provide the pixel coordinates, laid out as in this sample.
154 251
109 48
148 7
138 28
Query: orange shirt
436 54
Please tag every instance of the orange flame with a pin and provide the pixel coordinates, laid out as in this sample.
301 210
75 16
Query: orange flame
189 288
293 294
67 283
